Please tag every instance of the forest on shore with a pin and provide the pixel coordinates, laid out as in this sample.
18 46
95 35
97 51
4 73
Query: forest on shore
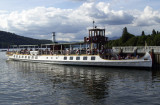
128 39
7 39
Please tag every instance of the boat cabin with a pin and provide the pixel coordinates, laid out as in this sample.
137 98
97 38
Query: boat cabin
96 36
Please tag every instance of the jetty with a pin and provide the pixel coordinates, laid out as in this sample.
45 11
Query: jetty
153 50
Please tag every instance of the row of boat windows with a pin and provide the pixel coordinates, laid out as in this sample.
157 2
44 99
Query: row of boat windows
26 57
78 58
65 58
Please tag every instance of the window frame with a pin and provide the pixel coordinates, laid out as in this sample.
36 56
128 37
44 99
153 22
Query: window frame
85 57
93 58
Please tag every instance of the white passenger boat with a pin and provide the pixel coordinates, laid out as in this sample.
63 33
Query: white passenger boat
91 52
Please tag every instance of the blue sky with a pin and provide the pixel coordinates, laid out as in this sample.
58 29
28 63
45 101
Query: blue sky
70 19
19 5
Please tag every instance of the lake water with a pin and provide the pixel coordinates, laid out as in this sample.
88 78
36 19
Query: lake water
24 83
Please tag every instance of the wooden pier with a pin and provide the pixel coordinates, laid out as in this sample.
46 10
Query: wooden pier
153 50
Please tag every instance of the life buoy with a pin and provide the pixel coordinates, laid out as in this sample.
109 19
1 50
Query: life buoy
68 52
88 52
87 39
77 52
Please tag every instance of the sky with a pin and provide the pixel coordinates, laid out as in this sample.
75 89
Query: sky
71 19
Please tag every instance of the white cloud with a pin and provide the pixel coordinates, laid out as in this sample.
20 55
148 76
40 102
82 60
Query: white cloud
101 13
84 0
147 18
71 24
3 12
65 37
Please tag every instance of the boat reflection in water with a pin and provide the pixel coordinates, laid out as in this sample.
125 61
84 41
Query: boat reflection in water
86 85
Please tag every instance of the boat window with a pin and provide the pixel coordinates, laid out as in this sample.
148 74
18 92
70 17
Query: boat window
65 58
93 58
51 57
46 57
77 58
36 57
25 56
84 58
28 57
22 56
71 58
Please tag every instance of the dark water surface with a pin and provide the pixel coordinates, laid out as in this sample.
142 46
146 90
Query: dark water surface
24 83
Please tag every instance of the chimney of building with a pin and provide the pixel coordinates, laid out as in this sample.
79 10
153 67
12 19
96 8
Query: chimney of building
54 37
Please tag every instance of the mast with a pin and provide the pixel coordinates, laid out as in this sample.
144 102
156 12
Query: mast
93 24
54 37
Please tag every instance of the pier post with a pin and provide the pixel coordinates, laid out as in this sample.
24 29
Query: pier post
152 56
158 58
120 51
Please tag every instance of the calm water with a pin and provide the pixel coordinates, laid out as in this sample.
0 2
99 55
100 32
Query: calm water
24 83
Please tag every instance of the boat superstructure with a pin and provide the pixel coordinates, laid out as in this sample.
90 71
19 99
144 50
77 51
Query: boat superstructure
91 52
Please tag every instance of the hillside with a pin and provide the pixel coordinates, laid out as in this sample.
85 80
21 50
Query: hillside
7 38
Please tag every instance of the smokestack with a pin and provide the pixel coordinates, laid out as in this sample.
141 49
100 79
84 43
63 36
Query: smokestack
54 37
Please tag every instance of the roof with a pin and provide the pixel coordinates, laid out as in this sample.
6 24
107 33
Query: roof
96 29
27 45
23 45
74 43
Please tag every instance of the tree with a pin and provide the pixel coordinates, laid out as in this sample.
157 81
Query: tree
157 40
128 39
141 40
132 41
154 32
125 35
143 33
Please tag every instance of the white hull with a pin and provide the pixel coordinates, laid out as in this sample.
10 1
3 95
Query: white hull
92 60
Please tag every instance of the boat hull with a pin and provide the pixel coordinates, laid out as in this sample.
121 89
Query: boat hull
97 61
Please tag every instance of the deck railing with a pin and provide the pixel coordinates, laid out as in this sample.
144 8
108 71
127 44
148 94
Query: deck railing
55 52
139 49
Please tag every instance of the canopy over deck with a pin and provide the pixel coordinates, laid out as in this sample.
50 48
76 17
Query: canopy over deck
74 43
28 45
23 45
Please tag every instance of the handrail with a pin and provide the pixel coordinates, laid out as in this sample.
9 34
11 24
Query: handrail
140 49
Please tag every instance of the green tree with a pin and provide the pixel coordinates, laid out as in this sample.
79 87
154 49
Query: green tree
157 40
128 39
132 41
154 32
125 36
143 33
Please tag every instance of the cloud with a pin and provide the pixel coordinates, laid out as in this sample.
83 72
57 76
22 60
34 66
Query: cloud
3 12
101 13
147 18
84 0
72 24
40 20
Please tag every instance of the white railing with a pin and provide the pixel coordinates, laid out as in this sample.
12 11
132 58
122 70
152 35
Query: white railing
140 49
